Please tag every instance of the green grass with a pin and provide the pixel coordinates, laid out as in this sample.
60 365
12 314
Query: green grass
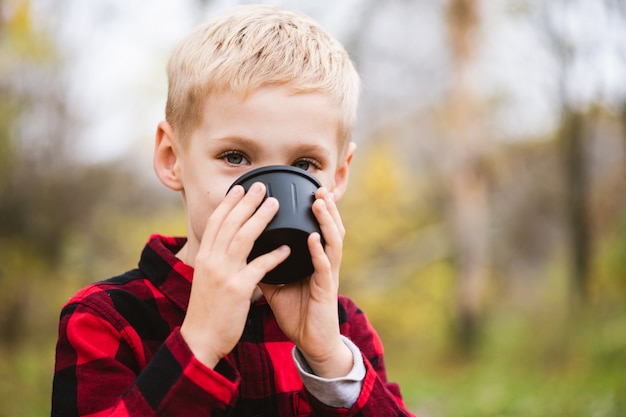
535 357
528 365
574 367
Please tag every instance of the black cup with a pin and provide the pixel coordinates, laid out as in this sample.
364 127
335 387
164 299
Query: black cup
294 188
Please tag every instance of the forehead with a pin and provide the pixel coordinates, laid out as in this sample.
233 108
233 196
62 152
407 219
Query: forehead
272 114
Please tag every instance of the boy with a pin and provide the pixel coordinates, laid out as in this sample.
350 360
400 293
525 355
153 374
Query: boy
193 331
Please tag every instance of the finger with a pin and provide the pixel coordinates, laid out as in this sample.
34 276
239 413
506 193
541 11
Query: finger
214 222
261 265
329 198
243 241
321 262
331 230
238 216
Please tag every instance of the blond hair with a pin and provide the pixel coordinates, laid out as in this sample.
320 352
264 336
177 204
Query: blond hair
257 46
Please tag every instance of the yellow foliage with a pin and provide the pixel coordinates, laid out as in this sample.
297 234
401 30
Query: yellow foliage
385 211
395 253
608 283
19 39
19 23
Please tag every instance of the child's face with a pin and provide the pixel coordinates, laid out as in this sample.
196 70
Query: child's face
270 127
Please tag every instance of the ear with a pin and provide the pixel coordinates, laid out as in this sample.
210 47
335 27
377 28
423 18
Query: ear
166 158
343 170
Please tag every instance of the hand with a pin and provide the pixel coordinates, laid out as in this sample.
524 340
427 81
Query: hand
223 281
306 311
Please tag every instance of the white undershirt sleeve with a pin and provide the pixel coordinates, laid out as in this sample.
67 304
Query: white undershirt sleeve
339 392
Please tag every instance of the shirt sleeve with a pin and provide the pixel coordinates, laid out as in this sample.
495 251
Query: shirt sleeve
335 392
377 397
94 347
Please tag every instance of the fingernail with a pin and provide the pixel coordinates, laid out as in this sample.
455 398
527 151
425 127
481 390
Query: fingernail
236 190
269 203
256 188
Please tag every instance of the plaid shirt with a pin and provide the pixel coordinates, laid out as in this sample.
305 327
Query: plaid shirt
120 353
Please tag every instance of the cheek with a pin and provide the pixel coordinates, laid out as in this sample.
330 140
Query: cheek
200 207
327 180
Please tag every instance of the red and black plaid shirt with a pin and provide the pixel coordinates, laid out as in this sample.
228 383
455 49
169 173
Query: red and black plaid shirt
120 353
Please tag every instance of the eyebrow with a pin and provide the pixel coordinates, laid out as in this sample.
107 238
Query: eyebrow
314 149
237 140
307 148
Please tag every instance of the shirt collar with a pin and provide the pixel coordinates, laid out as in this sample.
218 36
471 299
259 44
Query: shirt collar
166 271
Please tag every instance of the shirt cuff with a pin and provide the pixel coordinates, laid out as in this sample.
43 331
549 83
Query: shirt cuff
339 392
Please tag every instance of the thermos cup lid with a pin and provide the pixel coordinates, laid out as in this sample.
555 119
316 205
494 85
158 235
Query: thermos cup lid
294 188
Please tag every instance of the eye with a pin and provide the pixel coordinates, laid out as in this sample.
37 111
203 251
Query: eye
234 158
307 164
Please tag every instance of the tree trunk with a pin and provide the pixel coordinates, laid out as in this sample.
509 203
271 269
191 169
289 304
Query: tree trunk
576 201
467 176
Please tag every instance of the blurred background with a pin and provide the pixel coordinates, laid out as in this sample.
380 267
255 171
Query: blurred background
486 217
